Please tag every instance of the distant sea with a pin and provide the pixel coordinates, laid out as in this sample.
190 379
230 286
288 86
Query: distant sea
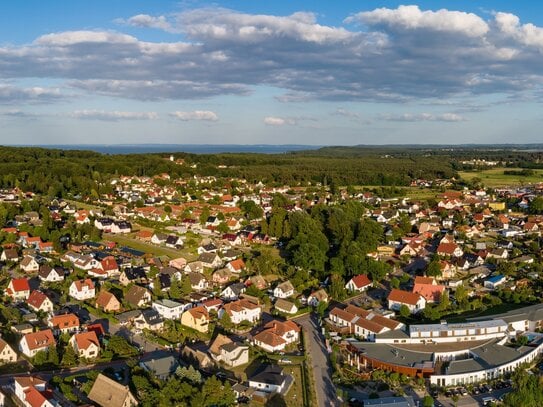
187 148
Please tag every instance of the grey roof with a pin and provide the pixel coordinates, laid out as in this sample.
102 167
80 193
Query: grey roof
168 303
390 354
272 374
161 367
128 315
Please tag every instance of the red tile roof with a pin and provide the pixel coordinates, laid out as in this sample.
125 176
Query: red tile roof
20 284
361 280
36 298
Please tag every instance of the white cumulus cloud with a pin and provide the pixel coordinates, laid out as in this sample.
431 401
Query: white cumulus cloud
112 115
204 115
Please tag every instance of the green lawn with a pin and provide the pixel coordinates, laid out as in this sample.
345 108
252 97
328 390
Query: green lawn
494 177
128 240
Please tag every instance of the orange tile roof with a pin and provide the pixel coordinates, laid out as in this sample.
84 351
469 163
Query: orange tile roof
40 339
86 339
403 297
65 321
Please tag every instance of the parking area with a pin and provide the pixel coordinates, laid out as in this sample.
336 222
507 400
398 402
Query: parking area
479 395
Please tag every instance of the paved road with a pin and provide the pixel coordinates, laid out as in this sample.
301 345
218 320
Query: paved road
322 371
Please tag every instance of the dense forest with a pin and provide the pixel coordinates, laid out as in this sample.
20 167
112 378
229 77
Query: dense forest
61 172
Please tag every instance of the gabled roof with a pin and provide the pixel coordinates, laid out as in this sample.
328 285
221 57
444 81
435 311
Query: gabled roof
86 339
104 297
361 280
64 321
199 312
36 299
108 393
20 284
81 284
431 292
403 297
40 339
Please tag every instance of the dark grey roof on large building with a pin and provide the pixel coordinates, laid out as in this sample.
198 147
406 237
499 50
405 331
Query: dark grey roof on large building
390 354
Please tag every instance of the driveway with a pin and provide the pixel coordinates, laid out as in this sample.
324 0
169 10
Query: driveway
322 371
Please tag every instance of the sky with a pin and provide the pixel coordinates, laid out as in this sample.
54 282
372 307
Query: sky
270 72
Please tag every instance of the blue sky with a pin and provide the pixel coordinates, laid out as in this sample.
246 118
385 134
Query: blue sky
261 72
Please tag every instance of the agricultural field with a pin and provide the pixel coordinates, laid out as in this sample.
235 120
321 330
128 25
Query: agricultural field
495 177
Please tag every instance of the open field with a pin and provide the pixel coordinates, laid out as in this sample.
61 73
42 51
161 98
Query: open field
495 177
133 243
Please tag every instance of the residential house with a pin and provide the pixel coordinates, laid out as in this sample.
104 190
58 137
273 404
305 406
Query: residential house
149 319
358 283
32 392
242 310
284 290
210 260
429 289
135 275
107 302
51 274
233 291
198 281
414 302
285 306
225 350
174 242
162 367
64 323
169 309
365 324
138 296
208 248
196 318
18 289
86 344
316 297
178 263
258 281
449 250
236 266
214 304
276 335
7 353
82 290
38 301
29 264
194 267
494 282
34 342
269 380
109 266
159 238
10 255
121 227
107 392
221 276
499 253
